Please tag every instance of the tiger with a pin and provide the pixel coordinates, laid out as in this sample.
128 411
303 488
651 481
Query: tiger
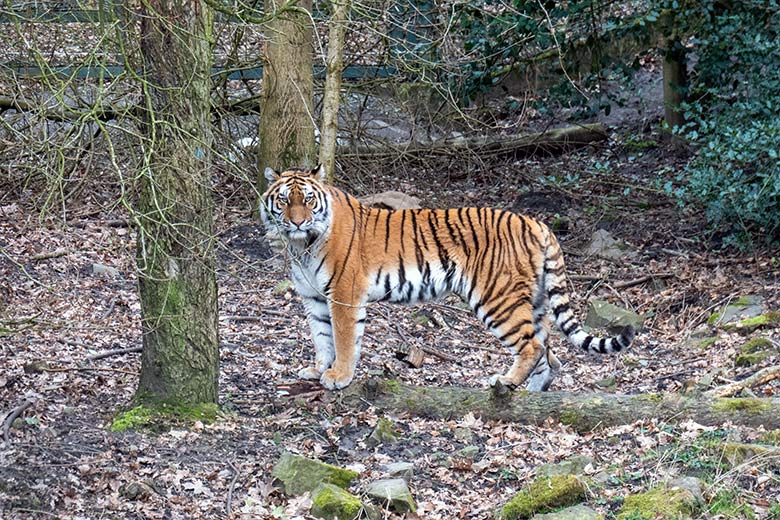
508 267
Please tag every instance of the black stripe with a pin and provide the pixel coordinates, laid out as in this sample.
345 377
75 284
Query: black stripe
387 230
514 330
403 221
586 343
563 307
321 319
602 345
473 232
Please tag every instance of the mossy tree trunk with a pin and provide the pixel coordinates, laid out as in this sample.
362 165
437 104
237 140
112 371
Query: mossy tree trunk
178 290
286 132
583 411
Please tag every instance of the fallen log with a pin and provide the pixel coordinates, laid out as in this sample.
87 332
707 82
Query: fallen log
584 411
549 141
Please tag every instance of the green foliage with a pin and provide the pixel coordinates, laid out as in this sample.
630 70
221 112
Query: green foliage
733 115
729 504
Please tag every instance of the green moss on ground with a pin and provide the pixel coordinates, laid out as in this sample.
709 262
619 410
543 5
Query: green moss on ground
771 437
736 404
544 495
748 360
713 320
707 342
569 417
658 503
329 501
162 415
768 319
754 345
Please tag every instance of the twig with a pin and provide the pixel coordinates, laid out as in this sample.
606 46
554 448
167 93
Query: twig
16 412
262 317
110 309
759 378
50 254
229 504
86 369
115 352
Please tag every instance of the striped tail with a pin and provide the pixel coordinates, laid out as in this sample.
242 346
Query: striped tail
555 284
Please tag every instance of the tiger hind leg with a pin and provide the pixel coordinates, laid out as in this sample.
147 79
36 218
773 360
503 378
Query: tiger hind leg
548 365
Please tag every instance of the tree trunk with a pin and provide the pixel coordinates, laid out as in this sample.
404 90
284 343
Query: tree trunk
675 83
582 411
286 132
178 290
332 96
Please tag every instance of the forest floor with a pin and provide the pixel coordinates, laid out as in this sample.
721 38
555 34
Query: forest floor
57 308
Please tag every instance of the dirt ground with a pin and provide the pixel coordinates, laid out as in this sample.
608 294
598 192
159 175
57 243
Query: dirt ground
63 462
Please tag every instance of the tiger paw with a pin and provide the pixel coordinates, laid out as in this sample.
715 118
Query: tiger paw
500 380
309 373
335 380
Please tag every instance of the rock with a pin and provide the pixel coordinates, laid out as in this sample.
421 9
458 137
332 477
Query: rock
748 360
602 314
135 490
544 495
299 474
603 245
463 434
572 466
404 470
100 269
467 452
692 484
578 512
738 310
769 319
394 493
735 453
661 502
391 200
331 502
384 433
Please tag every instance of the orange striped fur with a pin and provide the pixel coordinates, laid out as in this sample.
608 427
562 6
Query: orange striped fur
508 267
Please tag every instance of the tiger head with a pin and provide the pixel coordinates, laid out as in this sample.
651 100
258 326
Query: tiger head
296 204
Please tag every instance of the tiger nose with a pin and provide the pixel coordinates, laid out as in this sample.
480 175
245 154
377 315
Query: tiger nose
297 222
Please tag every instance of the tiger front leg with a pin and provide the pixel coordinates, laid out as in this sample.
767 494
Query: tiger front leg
348 321
318 313
527 354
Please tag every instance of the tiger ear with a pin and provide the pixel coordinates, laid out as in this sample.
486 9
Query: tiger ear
270 174
319 172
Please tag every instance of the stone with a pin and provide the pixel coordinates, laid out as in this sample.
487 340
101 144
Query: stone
331 502
135 490
463 434
391 200
299 474
603 245
602 314
404 470
467 452
738 310
578 512
692 484
393 493
572 466
384 433
543 495
661 502
100 269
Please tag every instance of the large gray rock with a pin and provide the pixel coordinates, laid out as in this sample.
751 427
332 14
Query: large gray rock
602 314
393 493
578 512
299 474
384 433
738 310
331 502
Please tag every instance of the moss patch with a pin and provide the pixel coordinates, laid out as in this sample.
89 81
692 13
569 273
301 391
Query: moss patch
161 416
736 404
658 503
707 342
756 345
769 319
329 501
748 360
544 495
392 386
713 320
772 437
